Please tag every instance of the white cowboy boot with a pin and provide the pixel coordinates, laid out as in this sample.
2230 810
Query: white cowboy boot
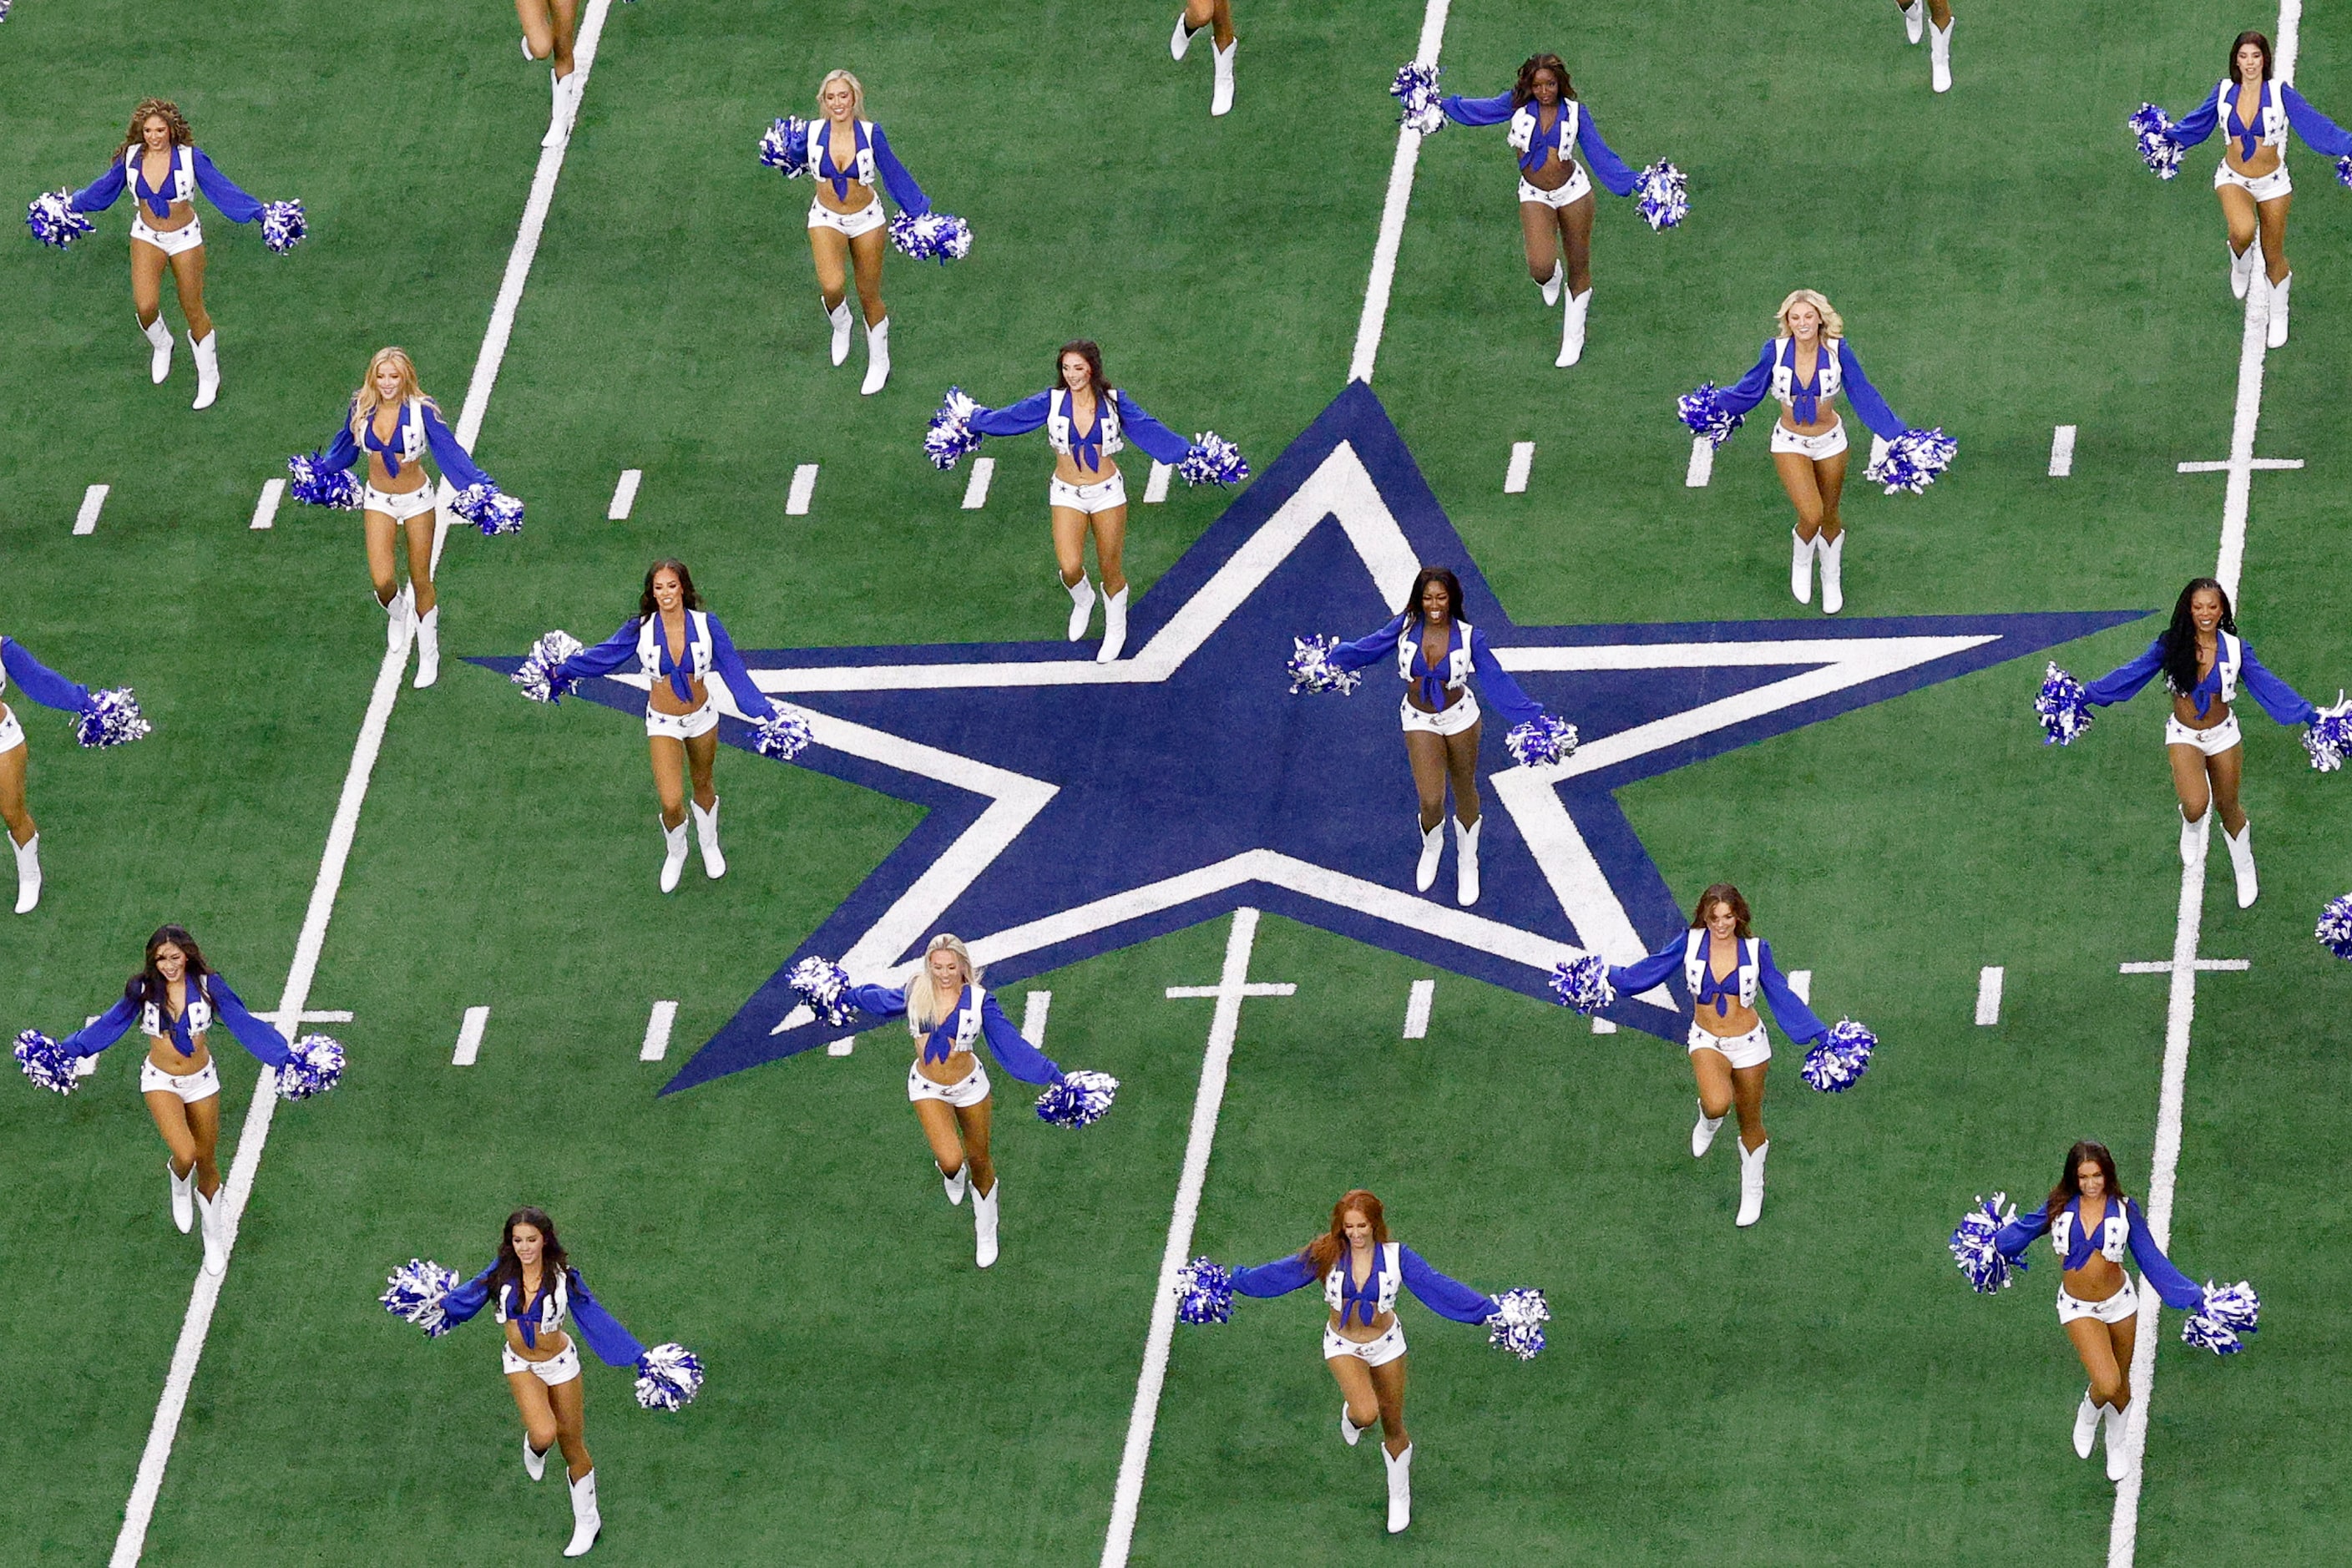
1833 553
2118 1433
397 616
2277 339
673 855
1183 38
2241 267
1114 627
214 1224
534 1460
1703 1132
1399 1489
956 1184
1800 561
842 320
1466 862
1550 286
2086 1426
2192 837
1751 1182
586 1522
984 1222
558 115
2241 861
706 833
1221 98
428 648
1940 57
28 879
159 338
1082 606
877 357
1914 19
1432 845
1571 330
1349 1433
208 366
183 1197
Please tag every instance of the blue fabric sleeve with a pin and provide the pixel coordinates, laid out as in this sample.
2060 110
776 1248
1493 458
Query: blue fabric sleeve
728 665
1609 168
1369 650
881 1002
457 465
221 191
1751 389
1796 1020
1495 683
262 1039
1477 111
2177 1288
100 193
2280 701
344 449
606 657
1014 1054
109 1027
2319 134
468 1300
1632 979
1447 1298
894 178
1023 417
2123 683
613 1345
1864 398
39 682
1148 433
2198 123
2011 1239
1279 1278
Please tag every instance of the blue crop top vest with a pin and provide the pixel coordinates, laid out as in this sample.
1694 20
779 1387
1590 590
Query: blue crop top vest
1362 1303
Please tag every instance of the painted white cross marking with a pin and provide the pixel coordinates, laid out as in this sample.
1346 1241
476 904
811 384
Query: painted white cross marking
2251 465
2166 965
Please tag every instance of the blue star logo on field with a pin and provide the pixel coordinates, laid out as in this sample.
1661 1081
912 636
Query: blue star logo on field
1078 808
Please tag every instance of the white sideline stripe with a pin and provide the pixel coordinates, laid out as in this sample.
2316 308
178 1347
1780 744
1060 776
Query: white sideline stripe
1800 981
1602 1026
1989 996
1155 489
2061 452
1416 1009
624 495
265 510
2226 466
1523 457
470 1038
92 499
1034 1011
1702 464
803 488
1392 211
2180 1004
975 488
657 1028
140 1510
2164 966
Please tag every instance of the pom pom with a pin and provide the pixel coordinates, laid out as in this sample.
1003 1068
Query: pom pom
112 719
538 676
784 736
2330 736
489 508
1839 1058
820 983
43 1063
4 10
1311 669
1416 87
2063 708
414 1292
1541 741
2344 171
2335 927
1078 1100
1213 460
282 226
1973 1249
1516 1323
1583 983
1204 1293
950 435
2227 1311
785 147
315 484
669 1377
314 1064
931 237
1664 195
53 220
1705 412
2152 129
1913 460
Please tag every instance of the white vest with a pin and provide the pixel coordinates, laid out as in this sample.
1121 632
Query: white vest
552 1306
1392 1275
968 1019
408 431
1826 383
2225 100
1057 421
152 1022
1523 127
649 644
819 128
183 171
2115 1233
2229 651
1694 965
1457 659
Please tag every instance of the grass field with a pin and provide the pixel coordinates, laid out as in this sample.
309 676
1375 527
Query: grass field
1818 1389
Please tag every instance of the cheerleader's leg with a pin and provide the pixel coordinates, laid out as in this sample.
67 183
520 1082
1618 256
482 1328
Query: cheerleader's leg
2190 782
24 837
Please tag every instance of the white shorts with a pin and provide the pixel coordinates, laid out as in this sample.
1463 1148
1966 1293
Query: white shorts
1753 1050
1820 449
2212 741
172 242
966 1091
1579 186
12 730
683 726
864 220
2114 1309
402 506
1452 720
1379 1352
559 1368
202 1084
2268 188
1088 498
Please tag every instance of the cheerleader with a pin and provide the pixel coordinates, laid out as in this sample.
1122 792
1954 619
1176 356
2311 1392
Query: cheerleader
549 29
2252 179
2204 659
847 225
1725 964
1359 1269
1939 47
1200 14
1548 126
50 690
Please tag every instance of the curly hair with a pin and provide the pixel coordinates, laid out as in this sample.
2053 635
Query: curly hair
149 108
1523 92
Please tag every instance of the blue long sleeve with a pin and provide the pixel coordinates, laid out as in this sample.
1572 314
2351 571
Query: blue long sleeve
222 192
1148 433
101 193
344 449
900 184
1279 1278
262 1039
2177 1288
108 1027
2198 123
1447 1298
1751 389
1796 1020
1366 651
728 665
613 1345
2124 682
457 465
1013 1053
1863 396
1632 979
2012 1238
468 1300
38 681
1477 111
606 657
1606 166
881 1002
1495 683
2282 702
1023 417
2319 134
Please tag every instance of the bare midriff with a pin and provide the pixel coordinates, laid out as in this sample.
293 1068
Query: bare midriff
950 1072
843 146
1436 644
2184 708
1554 171
411 478
2098 1279
2266 159
1741 1019
1084 416
164 1056
157 167
1356 1334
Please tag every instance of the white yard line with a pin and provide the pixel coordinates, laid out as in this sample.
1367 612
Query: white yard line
803 489
1416 1009
470 1038
2061 452
657 1028
265 510
1523 460
1989 996
1702 464
2231 466
1155 489
624 495
1384 251
93 499
1034 1010
140 1510
975 488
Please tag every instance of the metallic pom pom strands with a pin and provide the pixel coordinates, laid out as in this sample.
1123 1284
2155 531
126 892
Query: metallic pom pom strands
414 1293
1973 1249
1204 1293
489 508
1311 669
1914 460
931 237
537 678
951 435
53 221
1516 1323
1541 741
669 1377
2151 128
282 226
783 737
1664 195
2330 736
1838 1060
1583 983
1416 87
1705 412
315 484
314 1065
2227 1311
784 148
1212 460
112 719
2335 927
1078 1100
43 1063
820 983
2063 708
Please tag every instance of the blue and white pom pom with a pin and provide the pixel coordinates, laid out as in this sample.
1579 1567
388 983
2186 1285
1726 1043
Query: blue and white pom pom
315 484
1204 1293
43 1063
1839 1058
1541 741
1078 1100
1663 194
414 1293
2330 736
820 983
2152 129
2063 708
1583 983
1914 460
1516 1323
1416 89
2335 927
784 148
2227 1311
931 237
669 1377
783 737
112 719
53 221
1311 669
490 509
537 677
2344 170
314 1064
1973 1249
951 435
1705 412
1211 459
282 226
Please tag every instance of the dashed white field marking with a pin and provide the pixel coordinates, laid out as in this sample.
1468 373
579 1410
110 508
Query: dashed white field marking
624 495
1800 981
2061 452
2164 966
265 510
2251 465
657 1028
1155 489
975 488
1602 1026
803 489
841 1048
92 501
1989 996
1034 1011
1702 464
1416 1009
1392 212
470 1038
1523 458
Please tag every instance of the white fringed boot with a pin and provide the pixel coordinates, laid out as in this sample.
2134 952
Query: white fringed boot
213 1223
2192 837
984 1222
956 1184
2241 861
159 338
1914 19
1399 1489
534 1460
673 854
1114 627
1550 286
2119 1436
842 320
1800 561
1183 38
1082 606
208 367
706 833
1349 1433
1751 1182
586 1522
2277 338
2087 1425
1433 846
877 357
428 648
1940 57
1571 330
183 1197
1466 862
1220 97
1703 1132
2242 265
28 879
1833 553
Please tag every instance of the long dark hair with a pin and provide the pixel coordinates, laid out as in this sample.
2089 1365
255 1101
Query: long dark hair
2070 1184
1723 893
692 600
1333 1245
177 124
507 1271
1523 92
1089 351
2261 41
1422 580
147 985
2181 671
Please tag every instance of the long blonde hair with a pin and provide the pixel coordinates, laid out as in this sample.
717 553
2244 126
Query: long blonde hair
1832 325
365 402
176 123
923 1013
856 93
